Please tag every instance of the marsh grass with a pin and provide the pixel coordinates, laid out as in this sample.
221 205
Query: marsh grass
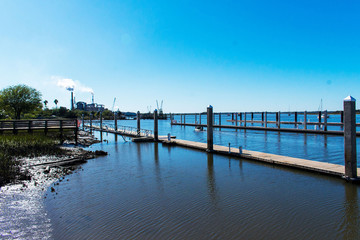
24 145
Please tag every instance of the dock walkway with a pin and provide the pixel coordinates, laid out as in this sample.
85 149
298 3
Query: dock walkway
309 165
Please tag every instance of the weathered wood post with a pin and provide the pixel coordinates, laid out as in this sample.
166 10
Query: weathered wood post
29 126
262 118
279 119
210 140
305 120
265 119
14 127
156 126
90 122
244 119
101 121
236 120
220 121
232 117
325 120
350 137
138 122
252 118
295 119
115 121
46 127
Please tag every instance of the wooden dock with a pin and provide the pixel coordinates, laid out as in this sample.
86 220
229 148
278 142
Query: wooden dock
309 165
314 166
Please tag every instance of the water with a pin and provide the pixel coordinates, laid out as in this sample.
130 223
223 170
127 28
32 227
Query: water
323 148
151 191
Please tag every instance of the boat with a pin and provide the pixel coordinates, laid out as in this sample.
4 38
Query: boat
199 128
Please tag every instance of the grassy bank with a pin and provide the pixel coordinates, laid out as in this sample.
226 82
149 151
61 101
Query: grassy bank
12 147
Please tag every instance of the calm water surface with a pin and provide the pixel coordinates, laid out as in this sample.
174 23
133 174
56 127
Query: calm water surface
151 191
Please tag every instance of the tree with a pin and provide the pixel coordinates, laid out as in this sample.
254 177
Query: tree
56 102
45 103
20 99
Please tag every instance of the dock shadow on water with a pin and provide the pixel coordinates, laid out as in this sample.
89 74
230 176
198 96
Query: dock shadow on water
153 191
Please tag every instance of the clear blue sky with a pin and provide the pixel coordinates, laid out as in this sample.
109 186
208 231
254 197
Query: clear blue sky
234 55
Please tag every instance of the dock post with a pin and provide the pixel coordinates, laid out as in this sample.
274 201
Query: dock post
90 122
184 119
232 117
195 118
262 118
342 119
244 119
279 119
350 137
265 119
252 118
295 119
115 121
305 120
236 121
156 126
325 120
200 118
138 122
101 121
220 121
209 129
240 118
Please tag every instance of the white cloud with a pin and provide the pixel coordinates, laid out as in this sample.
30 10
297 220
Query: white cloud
71 85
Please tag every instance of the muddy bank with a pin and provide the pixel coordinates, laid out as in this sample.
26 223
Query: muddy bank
21 203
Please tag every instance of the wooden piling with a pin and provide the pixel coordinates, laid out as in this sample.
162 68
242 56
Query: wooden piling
115 122
138 122
305 120
156 126
350 137
236 120
265 119
295 119
325 120
244 119
210 141
101 121
279 119
219 121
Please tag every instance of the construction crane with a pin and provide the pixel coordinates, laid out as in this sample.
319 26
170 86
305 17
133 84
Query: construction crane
160 108
112 109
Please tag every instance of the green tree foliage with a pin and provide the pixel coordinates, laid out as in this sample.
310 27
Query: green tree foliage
19 99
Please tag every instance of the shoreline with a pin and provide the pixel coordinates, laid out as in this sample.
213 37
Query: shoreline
21 203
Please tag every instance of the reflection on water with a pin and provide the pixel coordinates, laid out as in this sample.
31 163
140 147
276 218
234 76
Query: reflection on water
153 191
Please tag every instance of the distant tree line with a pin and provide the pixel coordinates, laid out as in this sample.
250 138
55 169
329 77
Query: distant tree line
24 102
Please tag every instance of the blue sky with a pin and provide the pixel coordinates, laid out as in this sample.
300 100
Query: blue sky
234 55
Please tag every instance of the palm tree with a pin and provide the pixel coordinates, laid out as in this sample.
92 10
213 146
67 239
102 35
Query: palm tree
56 102
46 102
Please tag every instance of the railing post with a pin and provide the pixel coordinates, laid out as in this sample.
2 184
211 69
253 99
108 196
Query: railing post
156 128
195 118
295 119
262 118
220 121
29 126
244 119
209 130
325 120
138 122
101 121
1 127
236 120
61 131
350 137
279 119
305 120
200 118
115 121
46 127
184 119
14 127
265 119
